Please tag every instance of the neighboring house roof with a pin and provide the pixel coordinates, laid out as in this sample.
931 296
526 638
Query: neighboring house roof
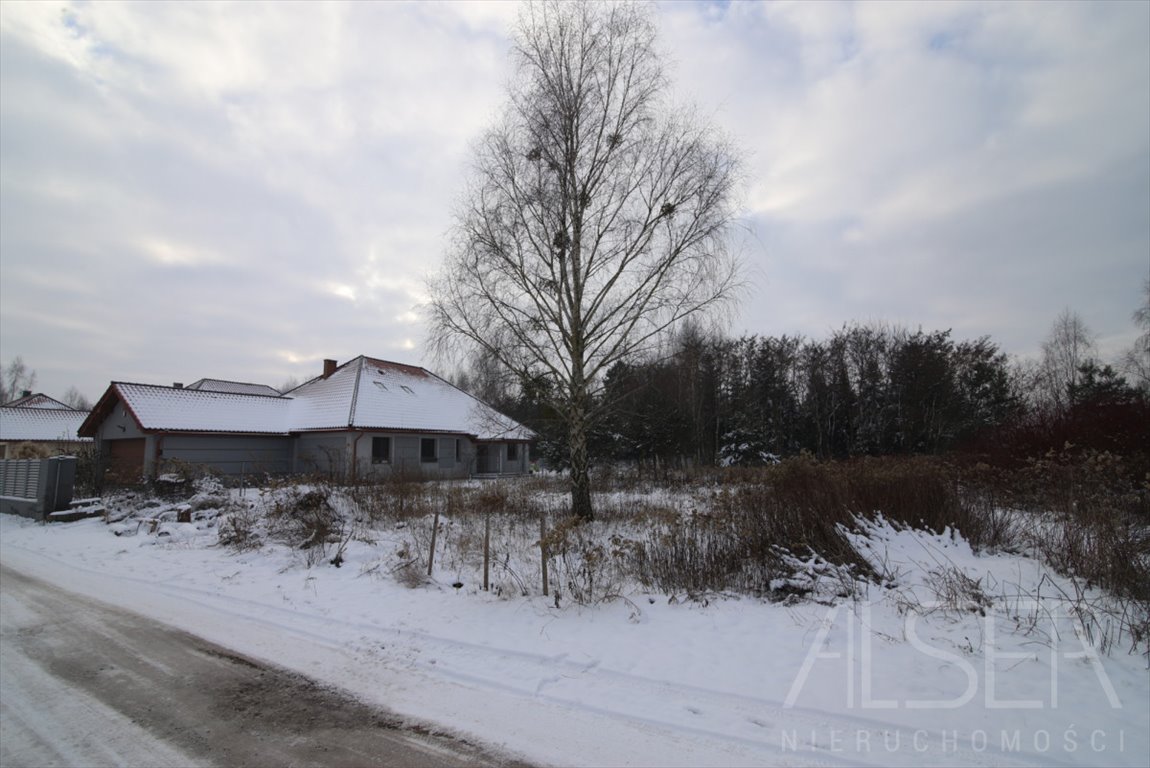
364 393
234 387
39 400
41 424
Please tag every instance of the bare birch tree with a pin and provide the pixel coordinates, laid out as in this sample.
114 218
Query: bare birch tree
15 379
595 218
1069 345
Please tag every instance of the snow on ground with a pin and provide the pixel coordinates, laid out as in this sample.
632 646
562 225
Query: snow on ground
651 680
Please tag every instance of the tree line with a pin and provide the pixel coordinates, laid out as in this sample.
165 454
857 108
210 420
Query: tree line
866 390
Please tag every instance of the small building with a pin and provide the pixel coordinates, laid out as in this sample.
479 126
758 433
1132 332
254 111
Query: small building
38 426
365 419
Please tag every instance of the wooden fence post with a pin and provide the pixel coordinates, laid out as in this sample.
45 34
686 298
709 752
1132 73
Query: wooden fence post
486 548
434 531
543 547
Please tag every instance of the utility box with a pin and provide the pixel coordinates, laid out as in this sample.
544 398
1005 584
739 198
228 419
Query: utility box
36 488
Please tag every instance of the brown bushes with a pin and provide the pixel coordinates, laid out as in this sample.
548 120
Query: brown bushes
1084 513
775 531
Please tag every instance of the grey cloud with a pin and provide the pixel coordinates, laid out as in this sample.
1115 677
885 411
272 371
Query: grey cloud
970 166
241 190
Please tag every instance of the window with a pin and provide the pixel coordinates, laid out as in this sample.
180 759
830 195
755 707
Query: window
512 452
458 450
427 449
380 450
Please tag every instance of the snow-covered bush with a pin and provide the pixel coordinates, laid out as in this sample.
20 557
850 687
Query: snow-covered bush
240 530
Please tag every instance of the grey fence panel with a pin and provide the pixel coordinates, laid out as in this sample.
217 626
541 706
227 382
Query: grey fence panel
36 487
20 478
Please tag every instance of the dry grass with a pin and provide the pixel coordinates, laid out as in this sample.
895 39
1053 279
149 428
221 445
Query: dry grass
777 532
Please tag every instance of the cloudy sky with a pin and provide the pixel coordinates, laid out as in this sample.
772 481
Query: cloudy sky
241 190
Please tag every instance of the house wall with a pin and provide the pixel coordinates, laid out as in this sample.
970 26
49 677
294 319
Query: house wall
335 453
228 454
326 453
518 465
133 454
406 457
119 427
497 461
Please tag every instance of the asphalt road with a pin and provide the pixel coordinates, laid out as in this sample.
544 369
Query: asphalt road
85 684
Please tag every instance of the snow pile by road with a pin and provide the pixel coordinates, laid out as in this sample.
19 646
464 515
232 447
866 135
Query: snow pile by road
963 659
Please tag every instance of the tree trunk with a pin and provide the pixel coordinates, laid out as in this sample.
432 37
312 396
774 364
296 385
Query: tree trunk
580 473
578 412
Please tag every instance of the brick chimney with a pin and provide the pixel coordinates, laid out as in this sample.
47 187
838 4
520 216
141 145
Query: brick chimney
178 385
329 367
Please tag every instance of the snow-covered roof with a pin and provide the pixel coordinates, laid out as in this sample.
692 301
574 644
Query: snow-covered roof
234 387
363 393
40 424
366 393
172 409
38 400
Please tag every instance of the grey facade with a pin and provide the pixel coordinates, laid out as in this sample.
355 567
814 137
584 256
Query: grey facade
227 454
132 454
359 454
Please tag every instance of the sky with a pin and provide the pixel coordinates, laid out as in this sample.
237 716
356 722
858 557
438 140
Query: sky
240 190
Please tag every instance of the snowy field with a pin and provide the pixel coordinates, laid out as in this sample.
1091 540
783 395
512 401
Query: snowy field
896 677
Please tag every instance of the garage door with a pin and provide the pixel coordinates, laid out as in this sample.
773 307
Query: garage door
126 460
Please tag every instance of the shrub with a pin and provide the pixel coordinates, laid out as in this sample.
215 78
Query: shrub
240 530
754 533
585 569
305 518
